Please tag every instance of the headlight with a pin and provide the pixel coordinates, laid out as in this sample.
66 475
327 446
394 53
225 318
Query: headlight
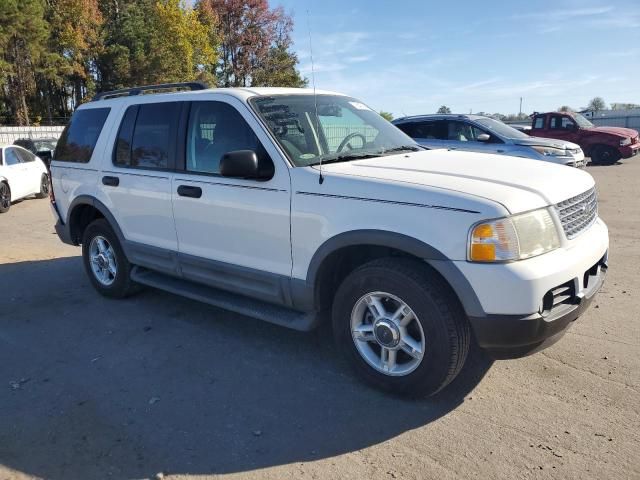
551 151
513 238
625 141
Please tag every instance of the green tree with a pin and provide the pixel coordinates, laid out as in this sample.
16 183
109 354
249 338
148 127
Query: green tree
23 41
596 104
386 115
444 109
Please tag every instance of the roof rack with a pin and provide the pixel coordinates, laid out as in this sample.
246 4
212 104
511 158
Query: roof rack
127 92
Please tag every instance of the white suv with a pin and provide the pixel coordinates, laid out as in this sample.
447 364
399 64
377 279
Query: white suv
293 207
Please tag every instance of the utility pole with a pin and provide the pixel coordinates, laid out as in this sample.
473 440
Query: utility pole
520 112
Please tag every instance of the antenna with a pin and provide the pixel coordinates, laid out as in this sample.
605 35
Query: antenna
315 98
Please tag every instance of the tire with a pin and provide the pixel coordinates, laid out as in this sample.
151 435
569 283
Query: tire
442 327
105 261
604 155
5 197
44 186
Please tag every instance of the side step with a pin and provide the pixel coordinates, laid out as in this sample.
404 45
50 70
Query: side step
229 301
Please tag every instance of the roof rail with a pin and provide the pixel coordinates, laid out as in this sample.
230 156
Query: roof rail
126 92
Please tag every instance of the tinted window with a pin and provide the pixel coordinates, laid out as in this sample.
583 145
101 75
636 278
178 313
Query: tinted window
11 157
430 129
462 131
122 152
153 135
79 137
216 128
539 122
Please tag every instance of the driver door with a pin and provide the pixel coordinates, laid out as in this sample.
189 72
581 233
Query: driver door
464 136
563 128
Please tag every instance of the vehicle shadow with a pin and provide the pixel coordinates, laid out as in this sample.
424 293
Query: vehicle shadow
95 388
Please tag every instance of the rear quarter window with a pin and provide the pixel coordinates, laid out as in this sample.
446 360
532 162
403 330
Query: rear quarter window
79 137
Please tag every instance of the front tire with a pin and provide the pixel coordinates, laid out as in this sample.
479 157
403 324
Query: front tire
604 155
5 197
105 261
44 186
401 327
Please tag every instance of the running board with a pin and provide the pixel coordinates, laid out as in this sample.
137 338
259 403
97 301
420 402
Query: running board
250 307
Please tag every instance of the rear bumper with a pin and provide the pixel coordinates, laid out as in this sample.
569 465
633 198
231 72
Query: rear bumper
513 336
62 230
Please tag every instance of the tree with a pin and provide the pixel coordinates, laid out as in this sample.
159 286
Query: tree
444 109
565 108
386 115
23 39
596 104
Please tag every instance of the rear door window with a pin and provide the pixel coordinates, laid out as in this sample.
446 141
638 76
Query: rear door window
146 138
79 137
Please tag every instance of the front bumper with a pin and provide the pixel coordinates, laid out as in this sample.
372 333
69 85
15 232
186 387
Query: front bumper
630 150
512 336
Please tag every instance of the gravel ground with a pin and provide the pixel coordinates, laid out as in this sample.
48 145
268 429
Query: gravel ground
157 385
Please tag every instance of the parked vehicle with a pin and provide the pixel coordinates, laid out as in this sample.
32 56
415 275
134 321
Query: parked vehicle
477 133
603 144
294 208
21 174
42 147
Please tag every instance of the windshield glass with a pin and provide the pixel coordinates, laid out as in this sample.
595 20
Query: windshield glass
501 129
44 145
344 129
581 121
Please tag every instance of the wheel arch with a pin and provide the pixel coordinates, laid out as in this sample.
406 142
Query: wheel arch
82 211
341 254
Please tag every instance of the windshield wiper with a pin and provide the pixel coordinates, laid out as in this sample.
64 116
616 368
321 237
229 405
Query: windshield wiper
348 157
404 148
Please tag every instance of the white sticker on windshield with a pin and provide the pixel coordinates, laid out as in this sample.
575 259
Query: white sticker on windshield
359 106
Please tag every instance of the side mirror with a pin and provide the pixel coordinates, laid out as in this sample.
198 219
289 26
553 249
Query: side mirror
245 164
483 137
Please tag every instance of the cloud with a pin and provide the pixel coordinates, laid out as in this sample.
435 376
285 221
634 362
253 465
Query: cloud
358 58
564 14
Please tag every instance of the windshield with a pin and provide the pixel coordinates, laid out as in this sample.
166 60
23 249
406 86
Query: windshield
501 129
44 145
581 121
344 129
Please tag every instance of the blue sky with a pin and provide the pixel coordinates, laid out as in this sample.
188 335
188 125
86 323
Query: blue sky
409 57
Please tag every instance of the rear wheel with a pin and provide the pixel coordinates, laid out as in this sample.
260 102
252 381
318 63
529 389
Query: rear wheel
5 197
44 187
604 155
401 327
105 261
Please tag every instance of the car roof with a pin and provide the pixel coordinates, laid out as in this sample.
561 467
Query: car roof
440 116
241 93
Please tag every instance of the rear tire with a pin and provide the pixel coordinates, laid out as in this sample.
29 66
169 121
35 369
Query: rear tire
105 261
604 155
44 186
5 197
403 289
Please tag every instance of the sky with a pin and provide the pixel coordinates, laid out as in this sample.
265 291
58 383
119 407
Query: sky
410 57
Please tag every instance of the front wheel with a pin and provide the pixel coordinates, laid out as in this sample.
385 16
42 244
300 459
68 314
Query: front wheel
605 155
44 186
105 261
401 327
5 197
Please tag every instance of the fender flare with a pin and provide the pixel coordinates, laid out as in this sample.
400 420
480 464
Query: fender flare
417 248
102 208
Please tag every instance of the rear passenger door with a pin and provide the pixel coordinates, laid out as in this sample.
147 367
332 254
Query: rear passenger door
233 233
137 182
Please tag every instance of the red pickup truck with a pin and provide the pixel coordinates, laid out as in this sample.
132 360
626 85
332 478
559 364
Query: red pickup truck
602 144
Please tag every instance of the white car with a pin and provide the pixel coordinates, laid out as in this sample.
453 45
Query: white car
296 208
22 174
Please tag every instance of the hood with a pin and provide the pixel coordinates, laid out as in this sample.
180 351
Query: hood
617 131
545 142
519 184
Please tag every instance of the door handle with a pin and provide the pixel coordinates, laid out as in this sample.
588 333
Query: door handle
111 181
189 191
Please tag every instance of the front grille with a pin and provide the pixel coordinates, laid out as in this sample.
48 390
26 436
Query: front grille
578 213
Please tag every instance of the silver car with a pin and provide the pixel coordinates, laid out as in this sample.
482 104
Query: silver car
477 133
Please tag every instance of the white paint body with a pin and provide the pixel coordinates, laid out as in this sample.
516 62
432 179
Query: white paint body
24 178
433 196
